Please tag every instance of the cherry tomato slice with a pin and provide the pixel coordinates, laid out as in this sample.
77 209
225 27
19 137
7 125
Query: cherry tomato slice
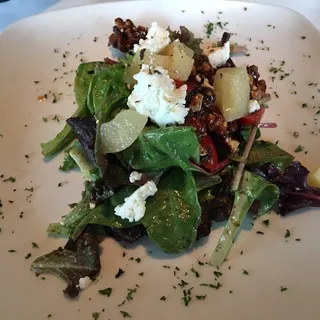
253 118
191 84
179 83
210 160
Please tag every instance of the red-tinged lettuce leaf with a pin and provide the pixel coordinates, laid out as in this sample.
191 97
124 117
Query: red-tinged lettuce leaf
294 190
78 259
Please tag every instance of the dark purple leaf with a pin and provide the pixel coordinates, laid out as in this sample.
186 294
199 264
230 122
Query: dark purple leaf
294 190
85 131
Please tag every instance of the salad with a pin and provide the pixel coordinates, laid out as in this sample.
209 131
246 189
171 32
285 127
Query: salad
167 140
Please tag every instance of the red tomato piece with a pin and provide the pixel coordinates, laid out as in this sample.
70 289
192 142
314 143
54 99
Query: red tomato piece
253 118
210 160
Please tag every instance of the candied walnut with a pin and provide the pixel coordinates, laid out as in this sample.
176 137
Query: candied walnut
216 123
125 35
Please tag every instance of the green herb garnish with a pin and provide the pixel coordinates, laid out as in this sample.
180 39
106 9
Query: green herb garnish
106 292
125 314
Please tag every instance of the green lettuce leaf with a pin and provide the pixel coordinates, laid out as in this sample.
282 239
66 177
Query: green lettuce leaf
68 162
82 215
84 75
157 149
252 188
173 213
204 181
265 152
107 88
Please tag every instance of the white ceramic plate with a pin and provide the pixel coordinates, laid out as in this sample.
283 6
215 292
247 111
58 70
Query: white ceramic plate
27 55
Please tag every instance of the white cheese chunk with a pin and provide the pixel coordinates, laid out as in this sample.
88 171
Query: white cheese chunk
219 55
156 96
84 283
134 207
135 176
253 106
157 39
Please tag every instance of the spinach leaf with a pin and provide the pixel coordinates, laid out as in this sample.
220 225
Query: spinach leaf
204 181
173 213
246 130
264 152
85 73
157 149
78 259
252 188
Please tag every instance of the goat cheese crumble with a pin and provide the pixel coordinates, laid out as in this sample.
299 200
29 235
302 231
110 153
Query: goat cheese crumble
134 207
157 39
84 283
135 176
254 105
219 55
156 96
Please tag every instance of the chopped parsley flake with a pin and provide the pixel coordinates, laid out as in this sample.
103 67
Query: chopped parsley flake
95 315
49 315
196 273
130 293
10 179
28 255
200 263
44 119
287 234
299 149
59 184
201 297
245 272
138 260
245 8
106 292
230 291
12 251
210 26
182 283
303 37
55 118
54 100
304 105
34 245
163 298
125 314
266 222
217 274
141 274
283 289
297 239
119 273
123 254
260 232
186 297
